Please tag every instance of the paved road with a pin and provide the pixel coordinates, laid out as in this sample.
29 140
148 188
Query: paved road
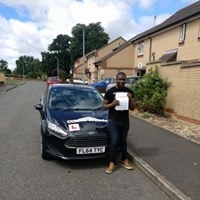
24 175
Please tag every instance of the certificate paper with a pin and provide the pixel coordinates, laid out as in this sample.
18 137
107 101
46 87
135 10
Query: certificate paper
123 101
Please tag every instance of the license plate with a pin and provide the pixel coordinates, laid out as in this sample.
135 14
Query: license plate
90 150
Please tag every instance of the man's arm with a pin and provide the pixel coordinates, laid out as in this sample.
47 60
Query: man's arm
131 101
106 105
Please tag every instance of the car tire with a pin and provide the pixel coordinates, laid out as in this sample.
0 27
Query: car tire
44 154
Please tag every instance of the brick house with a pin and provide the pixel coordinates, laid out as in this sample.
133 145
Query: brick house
174 47
91 71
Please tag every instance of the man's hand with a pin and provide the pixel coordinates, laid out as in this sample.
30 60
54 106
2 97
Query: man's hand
130 96
106 105
115 102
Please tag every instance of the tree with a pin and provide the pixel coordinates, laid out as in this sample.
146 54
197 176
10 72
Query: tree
66 49
48 63
58 51
60 48
28 66
35 69
95 38
4 67
22 65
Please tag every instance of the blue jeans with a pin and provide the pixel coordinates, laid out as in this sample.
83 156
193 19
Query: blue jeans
118 131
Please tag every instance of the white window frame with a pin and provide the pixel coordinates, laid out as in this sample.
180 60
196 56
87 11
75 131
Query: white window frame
182 33
139 66
140 49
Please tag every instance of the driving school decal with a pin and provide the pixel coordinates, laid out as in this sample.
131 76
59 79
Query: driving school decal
74 126
86 119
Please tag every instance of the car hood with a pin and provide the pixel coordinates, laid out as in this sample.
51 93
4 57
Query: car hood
81 120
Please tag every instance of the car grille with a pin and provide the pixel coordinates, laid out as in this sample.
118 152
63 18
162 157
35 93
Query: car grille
87 141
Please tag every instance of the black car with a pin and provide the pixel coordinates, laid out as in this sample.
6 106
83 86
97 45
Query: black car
73 124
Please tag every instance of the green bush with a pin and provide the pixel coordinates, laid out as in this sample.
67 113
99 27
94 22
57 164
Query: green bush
150 92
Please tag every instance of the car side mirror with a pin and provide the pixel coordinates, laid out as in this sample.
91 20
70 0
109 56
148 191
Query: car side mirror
38 106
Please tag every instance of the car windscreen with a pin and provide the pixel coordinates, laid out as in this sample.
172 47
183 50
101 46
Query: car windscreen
63 98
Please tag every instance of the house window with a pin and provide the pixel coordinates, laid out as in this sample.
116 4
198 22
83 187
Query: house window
139 65
140 49
182 33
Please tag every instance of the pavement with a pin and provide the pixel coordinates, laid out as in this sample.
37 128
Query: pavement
7 87
169 160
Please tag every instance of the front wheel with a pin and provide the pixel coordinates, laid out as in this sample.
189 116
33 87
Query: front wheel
44 154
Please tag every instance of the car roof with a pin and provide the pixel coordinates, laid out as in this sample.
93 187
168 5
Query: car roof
71 85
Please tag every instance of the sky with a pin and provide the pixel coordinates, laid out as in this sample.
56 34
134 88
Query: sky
27 27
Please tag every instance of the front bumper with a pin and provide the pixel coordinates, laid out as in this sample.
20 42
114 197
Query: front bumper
67 148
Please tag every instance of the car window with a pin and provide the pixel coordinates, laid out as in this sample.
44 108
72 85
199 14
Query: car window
107 81
113 80
131 80
65 98
53 78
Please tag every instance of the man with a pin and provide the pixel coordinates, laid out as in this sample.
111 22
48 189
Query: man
118 100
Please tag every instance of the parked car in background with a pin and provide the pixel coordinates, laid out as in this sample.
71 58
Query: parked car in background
129 81
53 80
78 81
102 84
75 81
73 123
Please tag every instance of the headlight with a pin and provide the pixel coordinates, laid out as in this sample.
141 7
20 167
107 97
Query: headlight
56 130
